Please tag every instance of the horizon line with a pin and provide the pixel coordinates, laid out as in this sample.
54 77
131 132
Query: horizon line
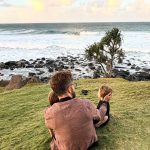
75 22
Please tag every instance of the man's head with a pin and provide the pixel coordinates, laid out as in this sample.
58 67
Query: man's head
103 91
62 84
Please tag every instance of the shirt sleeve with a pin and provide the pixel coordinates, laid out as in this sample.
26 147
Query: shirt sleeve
49 118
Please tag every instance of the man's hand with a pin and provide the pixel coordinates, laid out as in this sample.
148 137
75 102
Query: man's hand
108 97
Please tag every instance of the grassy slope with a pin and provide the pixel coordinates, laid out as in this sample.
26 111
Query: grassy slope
22 123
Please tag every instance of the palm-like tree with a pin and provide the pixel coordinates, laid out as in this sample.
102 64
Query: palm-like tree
107 51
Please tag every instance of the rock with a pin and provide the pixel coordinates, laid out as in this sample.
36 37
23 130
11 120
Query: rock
34 62
1 74
84 64
86 77
72 66
34 79
40 62
77 62
96 74
16 82
11 63
27 63
73 60
143 76
49 62
4 83
146 70
2 65
38 65
30 66
12 68
50 69
40 72
76 69
59 68
84 92
23 60
43 58
66 67
64 59
137 68
132 78
91 66
128 64
99 68
44 79
21 64
139 76
31 74
133 66
120 73
119 67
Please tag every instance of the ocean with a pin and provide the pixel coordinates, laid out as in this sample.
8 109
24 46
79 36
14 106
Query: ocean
50 40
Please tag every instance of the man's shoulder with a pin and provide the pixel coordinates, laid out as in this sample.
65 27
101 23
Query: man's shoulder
50 110
83 101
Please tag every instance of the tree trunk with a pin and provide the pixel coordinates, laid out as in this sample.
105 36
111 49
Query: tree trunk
111 66
106 74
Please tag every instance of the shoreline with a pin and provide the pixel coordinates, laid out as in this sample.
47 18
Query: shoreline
42 69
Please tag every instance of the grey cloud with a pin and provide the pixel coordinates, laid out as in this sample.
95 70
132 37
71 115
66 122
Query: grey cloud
4 3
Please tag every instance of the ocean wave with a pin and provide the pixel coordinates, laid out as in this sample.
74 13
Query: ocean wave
32 31
89 33
32 47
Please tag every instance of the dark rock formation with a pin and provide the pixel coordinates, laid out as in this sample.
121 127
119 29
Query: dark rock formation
4 83
16 82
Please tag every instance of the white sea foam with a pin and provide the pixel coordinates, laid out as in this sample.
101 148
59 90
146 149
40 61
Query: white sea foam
34 42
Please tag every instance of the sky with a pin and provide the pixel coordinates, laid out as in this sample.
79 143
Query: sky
40 11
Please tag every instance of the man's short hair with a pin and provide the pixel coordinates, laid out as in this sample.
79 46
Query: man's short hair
60 82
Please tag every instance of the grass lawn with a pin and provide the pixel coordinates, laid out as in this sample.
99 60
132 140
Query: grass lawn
22 123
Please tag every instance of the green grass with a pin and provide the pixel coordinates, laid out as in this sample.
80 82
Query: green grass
22 123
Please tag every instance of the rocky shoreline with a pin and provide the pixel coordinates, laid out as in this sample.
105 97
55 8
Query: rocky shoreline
41 69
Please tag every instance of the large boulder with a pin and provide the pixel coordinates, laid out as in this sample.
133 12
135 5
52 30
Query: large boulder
11 64
139 76
121 73
16 82
3 83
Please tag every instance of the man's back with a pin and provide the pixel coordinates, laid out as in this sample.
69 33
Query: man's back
72 123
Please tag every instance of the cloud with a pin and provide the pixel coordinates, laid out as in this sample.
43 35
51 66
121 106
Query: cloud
113 3
140 10
57 3
4 3
75 11
38 5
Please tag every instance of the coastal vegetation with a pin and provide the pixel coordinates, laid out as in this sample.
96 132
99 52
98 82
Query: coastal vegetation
107 51
22 122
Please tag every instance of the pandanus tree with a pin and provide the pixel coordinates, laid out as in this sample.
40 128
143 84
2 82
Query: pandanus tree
107 51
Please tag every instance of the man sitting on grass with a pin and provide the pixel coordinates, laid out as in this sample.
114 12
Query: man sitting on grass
71 119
